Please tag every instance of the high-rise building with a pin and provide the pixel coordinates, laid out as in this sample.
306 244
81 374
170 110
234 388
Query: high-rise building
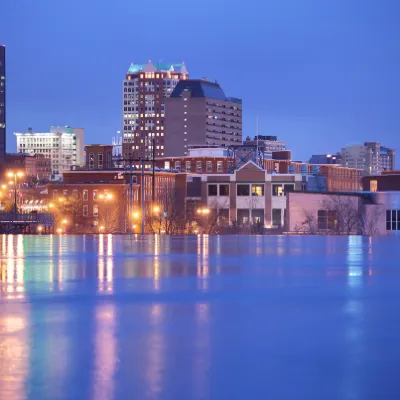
2 103
63 145
145 88
371 157
199 113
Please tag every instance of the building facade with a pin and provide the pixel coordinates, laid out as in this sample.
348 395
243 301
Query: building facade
265 144
371 157
99 156
35 167
199 113
335 159
63 145
145 88
2 103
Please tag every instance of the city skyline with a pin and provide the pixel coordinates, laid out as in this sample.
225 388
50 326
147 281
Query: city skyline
320 80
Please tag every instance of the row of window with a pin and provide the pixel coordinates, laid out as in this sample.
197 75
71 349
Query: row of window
244 189
85 194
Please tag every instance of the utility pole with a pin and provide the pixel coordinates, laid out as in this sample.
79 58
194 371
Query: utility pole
153 193
143 189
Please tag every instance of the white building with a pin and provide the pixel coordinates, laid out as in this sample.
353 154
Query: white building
371 157
63 145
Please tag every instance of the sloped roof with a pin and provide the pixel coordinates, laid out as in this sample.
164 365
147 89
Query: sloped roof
199 88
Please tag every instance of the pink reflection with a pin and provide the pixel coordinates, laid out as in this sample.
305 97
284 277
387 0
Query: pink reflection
155 351
105 352
14 356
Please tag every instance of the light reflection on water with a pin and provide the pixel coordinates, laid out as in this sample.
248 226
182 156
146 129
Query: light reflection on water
197 317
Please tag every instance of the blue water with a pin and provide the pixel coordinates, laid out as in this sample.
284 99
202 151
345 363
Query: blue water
106 317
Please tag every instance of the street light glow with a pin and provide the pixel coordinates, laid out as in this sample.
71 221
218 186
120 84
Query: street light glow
156 209
65 221
135 215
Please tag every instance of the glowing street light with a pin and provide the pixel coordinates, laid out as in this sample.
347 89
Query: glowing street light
51 205
15 175
65 221
203 211
40 229
101 228
136 215
59 230
156 209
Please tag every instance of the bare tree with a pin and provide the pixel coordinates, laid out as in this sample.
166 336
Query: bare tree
309 225
109 218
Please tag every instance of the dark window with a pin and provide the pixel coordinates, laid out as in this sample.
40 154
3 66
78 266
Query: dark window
327 219
276 217
243 190
212 190
393 220
224 190
289 188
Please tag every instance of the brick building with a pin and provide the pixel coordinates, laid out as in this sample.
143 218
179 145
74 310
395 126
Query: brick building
99 156
199 113
36 167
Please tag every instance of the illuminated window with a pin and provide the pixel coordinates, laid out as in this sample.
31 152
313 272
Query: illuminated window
85 195
373 186
95 210
257 190
188 166
199 166
219 166
277 190
95 194
209 166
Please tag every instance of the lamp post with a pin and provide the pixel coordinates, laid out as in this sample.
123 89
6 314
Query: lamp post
203 212
105 197
15 175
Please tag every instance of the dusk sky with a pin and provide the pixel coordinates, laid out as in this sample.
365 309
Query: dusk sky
320 74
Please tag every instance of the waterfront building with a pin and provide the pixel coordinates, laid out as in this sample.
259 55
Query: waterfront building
145 88
371 158
341 213
63 145
3 123
199 113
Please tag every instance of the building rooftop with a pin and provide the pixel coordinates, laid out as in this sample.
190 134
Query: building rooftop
199 88
160 67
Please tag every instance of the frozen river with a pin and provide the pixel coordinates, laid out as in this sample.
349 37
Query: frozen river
109 317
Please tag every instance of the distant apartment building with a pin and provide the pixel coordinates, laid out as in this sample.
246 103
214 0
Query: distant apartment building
266 144
199 113
334 159
145 88
371 157
63 145
2 103
99 156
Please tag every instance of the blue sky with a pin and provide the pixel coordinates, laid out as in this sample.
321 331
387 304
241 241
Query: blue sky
320 74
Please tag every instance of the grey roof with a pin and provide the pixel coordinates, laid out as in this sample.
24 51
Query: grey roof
199 88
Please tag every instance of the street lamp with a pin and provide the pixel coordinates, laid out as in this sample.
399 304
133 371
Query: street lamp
156 209
203 211
15 175
105 197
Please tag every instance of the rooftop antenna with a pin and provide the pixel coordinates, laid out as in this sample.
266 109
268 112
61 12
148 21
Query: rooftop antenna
257 141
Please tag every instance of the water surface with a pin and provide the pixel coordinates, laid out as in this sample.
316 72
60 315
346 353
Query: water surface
109 317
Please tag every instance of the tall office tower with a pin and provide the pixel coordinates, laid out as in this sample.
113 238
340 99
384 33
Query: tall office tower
63 145
2 103
199 113
145 89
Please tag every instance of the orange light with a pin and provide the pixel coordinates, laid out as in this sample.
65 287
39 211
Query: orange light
59 230
40 228
109 196
10 175
156 209
135 215
51 205
20 174
65 221
101 196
